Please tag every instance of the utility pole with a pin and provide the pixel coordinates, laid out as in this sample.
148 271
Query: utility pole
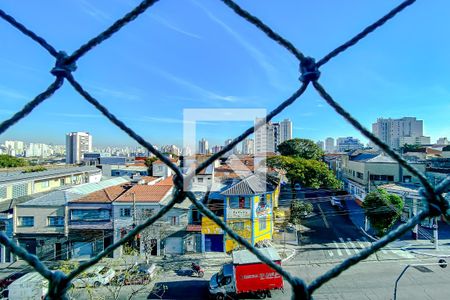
436 235
414 212
134 217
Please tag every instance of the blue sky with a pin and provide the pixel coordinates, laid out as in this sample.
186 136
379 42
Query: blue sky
199 54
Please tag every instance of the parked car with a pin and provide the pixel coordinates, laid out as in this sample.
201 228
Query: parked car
32 286
297 187
5 282
137 274
95 276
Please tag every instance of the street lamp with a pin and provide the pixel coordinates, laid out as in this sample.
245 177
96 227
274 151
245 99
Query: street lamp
441 263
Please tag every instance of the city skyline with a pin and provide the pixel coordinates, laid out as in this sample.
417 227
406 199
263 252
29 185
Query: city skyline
179 83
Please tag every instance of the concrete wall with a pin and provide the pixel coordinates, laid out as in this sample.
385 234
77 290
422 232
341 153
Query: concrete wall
40 214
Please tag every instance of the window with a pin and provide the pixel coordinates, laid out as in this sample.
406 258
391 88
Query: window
262 224
147 212
26 221
200 180
234 202
62 182
55 221
90 215
19 190
406 178
241 202
262 201
174 220
2 192
44 184
2 226
360 175
238 226
125 212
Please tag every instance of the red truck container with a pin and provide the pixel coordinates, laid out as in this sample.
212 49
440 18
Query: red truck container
247 274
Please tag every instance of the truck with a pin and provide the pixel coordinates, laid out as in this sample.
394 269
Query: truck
32 286
246 274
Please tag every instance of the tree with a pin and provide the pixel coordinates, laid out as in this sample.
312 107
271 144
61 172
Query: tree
149 163
301 148
299 209
382 209
8 161
307 172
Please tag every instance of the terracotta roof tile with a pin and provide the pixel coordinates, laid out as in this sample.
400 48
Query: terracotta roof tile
107 195
167 181
145 193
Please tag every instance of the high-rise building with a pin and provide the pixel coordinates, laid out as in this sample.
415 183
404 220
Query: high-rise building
285 130
349 143
77 143
248 147
203 147
329 145
442 141
391 130
269 136
321 145
15 147
216 149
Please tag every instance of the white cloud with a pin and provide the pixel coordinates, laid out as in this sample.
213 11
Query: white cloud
106 92
259 57
10 94
94 12
172 26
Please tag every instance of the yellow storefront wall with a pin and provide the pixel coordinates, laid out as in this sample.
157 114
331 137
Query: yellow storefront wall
209 227
243 227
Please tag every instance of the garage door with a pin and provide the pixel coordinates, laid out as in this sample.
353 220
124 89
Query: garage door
214 242
82 249
174 245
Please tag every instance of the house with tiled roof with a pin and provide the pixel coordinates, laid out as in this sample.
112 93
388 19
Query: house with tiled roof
167 235
160 169
245 205
42 223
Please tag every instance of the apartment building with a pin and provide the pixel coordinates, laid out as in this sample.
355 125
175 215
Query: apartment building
17 184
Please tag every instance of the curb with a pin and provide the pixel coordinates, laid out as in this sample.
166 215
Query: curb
368 235
429 254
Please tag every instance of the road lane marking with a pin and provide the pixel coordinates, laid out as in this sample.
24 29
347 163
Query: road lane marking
339 252
353 245
345 246
360 243
330 253
323 216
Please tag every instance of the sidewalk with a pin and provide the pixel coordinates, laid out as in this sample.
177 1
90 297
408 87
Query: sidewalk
425 247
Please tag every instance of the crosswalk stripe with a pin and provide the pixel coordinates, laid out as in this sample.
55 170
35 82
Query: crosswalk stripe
339 252
360 243
345 246
353 245
330 253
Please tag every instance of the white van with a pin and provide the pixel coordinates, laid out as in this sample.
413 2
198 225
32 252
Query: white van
32 286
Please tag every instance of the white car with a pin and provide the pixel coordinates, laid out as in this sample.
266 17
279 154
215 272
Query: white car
95 276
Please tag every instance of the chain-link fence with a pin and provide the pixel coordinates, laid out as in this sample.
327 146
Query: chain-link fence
309 74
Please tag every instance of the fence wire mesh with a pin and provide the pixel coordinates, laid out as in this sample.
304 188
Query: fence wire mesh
59 282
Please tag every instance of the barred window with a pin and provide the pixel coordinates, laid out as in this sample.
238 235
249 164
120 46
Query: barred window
3 192
20 190
26 221
125 212
55 221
